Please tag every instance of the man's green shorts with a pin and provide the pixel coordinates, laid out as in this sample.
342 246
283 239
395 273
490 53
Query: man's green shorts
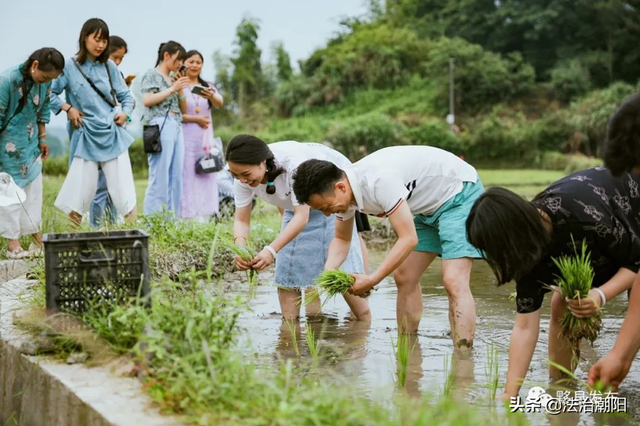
444 232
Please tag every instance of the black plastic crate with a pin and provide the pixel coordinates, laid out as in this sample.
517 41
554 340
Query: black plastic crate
95 266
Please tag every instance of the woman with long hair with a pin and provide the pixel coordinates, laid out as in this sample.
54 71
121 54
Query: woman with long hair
24 113
300 250
163 95
622 157
199 191
98 104
102 209
520 239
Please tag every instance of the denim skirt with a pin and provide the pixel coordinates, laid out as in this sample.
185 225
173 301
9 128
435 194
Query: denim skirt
302 260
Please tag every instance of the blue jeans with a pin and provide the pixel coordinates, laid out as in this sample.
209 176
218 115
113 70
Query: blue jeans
165 169
102 209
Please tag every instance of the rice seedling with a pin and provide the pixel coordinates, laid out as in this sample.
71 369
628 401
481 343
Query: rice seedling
449 371
597 387
247 254
331 283
574 282
402 350
293 330
313 345
492 370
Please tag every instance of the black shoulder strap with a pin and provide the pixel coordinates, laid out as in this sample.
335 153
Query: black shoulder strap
111 102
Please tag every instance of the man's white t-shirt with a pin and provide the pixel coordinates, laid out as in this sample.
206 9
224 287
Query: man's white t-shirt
423 176
288 155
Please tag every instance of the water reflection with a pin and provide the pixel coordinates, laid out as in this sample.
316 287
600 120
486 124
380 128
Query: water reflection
364 352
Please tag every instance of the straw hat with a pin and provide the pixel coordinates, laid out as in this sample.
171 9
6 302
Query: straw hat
10 193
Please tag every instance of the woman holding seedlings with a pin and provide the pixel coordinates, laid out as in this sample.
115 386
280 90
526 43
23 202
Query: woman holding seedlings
24 113
520 240
301 248
98 104
622 157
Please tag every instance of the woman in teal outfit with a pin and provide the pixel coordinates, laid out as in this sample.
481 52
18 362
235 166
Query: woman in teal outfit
24 112
98 104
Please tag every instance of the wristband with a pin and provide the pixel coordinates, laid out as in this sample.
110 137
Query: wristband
68 109
182 98
271 250
42 136
603 298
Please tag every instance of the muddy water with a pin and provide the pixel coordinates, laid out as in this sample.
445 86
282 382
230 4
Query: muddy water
365 352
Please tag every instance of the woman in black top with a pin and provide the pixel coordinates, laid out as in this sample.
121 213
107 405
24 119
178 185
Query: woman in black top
622 154
520 238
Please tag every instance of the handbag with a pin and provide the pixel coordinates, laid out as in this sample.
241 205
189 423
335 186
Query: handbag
151 137
213 159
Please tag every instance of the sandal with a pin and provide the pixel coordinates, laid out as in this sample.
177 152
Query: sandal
35 250
18 253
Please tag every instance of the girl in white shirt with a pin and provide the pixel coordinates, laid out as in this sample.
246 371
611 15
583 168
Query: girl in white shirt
300 250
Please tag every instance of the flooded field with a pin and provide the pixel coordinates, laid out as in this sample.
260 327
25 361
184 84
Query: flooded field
365 352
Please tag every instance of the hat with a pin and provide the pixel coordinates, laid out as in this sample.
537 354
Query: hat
10 193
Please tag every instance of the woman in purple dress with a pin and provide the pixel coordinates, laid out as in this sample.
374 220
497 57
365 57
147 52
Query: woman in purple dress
199 192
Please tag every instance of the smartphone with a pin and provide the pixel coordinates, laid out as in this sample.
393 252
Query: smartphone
182 70
198 90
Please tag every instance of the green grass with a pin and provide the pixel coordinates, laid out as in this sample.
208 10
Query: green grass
527 183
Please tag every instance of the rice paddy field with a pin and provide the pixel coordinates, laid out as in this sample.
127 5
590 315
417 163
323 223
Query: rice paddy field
328 367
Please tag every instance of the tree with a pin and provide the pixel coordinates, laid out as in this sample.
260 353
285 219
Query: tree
283 62
222 65
246 80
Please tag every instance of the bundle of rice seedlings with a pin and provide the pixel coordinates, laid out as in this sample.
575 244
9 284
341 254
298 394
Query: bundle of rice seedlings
574 282
246 254
332 283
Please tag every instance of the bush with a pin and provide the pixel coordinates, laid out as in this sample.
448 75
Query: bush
580 162
570 79
590 114
359 136
138 157
505 136
482 78
434 132
568 163
56 166
292 96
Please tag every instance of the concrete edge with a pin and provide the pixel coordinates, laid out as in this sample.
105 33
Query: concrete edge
36 391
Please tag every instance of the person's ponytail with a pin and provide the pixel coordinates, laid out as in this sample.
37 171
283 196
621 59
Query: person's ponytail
160 53
170 47
273 171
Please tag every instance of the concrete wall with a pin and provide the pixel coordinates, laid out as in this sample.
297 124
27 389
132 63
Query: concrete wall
38 391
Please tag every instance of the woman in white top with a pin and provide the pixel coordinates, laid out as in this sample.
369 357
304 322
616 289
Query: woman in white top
300 250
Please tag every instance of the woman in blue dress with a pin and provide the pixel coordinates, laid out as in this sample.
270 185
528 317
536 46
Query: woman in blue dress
24 113
98 104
